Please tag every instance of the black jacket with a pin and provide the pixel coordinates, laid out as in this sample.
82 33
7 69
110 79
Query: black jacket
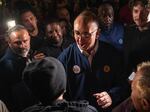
63 106
12 89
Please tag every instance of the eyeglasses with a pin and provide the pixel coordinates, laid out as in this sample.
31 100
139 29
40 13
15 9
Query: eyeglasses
84 34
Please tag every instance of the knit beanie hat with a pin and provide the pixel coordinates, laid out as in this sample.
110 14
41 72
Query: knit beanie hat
46 78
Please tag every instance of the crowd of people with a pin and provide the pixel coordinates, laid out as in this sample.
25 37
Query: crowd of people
75 56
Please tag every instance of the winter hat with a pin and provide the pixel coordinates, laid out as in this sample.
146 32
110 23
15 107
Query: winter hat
46 78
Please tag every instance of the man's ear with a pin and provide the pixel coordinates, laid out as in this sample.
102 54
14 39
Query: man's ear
8 42
98 33
145 104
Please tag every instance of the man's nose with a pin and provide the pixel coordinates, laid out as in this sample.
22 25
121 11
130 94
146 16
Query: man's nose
80 38
138 15
29 21
54 33
107 18
22 45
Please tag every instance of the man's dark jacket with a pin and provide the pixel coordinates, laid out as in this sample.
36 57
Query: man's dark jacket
12 89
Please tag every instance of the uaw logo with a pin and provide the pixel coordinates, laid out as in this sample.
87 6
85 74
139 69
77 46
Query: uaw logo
120 41
106 68
76 69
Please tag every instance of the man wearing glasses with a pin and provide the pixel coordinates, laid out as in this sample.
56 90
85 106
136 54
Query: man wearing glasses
93 68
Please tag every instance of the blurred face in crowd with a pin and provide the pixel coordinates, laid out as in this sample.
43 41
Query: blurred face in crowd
140 93
34 3
54 33
85 34
61 3
19 42
64 14
136 11
106 15
29 21
63 25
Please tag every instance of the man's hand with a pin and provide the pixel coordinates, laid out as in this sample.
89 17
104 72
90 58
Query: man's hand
39 56
103 99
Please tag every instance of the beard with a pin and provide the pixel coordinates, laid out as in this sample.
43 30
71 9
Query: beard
21 52
55 41
30 28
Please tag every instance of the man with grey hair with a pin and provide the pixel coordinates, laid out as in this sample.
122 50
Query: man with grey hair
141 88
140 96
3 107
18 40
11 66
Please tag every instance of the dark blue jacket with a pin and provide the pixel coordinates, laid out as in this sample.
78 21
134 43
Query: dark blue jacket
114 35
105 73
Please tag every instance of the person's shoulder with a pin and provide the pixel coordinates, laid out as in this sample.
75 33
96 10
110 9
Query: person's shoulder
108 49
5 61
90 108
130 32
118 25
125 106
66 43
68 54
61 106
130 27
34 108
106 46
71 48
81 106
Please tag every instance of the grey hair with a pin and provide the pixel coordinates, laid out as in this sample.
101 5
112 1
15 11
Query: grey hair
143 79
14 29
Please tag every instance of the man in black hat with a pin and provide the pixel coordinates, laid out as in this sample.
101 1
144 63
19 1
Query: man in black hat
46 78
